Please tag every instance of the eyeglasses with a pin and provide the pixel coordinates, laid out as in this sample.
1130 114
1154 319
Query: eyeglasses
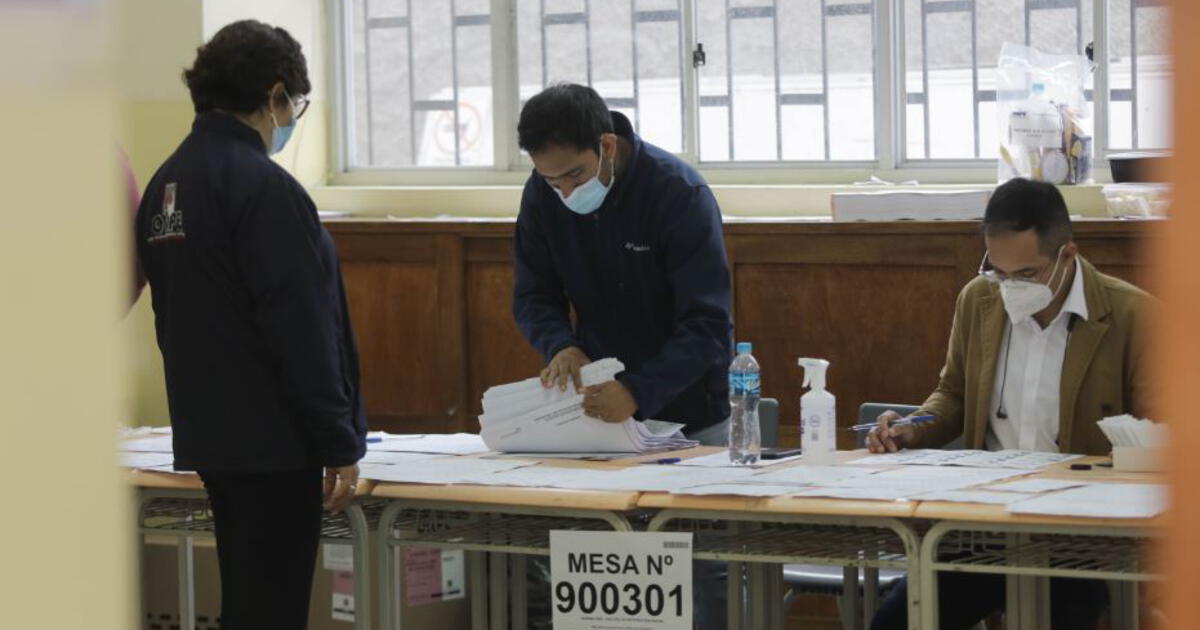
991 274
300 104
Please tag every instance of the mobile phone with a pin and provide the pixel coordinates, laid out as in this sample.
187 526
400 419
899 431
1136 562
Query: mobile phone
778 453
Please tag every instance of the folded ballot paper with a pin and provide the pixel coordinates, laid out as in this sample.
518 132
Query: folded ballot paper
1137 444
1124 431
525 417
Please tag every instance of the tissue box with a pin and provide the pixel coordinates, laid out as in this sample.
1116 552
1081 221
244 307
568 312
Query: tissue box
1138 458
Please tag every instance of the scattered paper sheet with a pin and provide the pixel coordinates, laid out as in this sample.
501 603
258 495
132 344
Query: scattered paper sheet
439 471
440 443
1035 486
927 478
657 478
970 496
593 457
1099 500
395 458
812 475
146 460
720 459
156 444
865 493
540 476
1019 460
738 489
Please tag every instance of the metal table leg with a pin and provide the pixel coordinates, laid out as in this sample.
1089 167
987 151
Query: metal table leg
498 590
477 585
386 574
185 570
360 542
735 608
870 593
850 596
518 590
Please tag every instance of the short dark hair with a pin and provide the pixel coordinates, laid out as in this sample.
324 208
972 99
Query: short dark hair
566 115
237 67
1021 204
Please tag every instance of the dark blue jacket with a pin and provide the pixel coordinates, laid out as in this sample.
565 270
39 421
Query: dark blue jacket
647 276
250 313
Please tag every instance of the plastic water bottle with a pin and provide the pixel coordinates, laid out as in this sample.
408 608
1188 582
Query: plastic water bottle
745 441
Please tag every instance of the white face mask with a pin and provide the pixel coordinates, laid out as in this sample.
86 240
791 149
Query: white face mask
588 197
1024 299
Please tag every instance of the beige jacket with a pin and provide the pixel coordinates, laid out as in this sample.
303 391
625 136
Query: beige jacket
1104 369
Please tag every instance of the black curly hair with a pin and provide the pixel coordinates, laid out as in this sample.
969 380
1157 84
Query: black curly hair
565 115
234 71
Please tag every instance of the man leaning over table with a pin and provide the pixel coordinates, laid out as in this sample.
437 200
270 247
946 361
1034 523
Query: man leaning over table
1042 347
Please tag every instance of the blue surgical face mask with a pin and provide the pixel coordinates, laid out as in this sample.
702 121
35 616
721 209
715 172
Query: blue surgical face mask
281 134
588 197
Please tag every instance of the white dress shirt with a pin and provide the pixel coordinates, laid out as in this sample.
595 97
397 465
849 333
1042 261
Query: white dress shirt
1034 375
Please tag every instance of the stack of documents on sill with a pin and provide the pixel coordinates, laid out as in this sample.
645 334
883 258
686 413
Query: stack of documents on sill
1014 459
918 205
525 417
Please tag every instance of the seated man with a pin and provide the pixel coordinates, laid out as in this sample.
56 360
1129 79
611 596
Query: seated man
1042 347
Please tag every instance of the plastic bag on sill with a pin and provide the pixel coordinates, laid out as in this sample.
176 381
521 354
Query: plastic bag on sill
1043 116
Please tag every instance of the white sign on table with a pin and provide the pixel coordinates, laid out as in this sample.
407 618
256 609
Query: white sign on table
621 580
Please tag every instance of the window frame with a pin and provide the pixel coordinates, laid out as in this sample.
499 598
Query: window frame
511 167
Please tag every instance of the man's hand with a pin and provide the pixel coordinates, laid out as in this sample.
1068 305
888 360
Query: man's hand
564 368
610 402
340 486
888 439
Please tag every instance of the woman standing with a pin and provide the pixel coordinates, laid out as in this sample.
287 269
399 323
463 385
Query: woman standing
251 318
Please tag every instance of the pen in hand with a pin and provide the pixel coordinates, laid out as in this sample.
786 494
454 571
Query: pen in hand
899 423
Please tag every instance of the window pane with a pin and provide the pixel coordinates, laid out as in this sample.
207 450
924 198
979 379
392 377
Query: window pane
629 52
1139 76
951 51
786 80
421 90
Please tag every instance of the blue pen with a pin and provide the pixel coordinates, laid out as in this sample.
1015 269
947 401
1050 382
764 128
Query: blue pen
374 439
668 460
898 423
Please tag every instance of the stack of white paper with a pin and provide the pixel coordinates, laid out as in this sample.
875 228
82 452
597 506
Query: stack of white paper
157 444
1129 431
923 205
526 417
146 460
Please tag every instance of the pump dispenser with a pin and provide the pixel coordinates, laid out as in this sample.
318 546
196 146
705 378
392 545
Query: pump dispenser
818 417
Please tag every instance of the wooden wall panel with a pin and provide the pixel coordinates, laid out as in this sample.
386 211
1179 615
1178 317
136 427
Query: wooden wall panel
499 354
394 310
883 328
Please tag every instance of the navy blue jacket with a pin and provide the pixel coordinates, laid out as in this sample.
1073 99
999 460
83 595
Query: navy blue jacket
250 313
647 276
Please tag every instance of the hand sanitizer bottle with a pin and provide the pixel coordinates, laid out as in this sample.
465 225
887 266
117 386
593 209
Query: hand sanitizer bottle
818 416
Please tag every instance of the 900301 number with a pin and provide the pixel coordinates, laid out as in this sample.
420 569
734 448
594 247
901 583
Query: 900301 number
609 598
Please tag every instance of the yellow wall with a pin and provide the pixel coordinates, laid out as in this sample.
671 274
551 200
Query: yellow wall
63 269
157 41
